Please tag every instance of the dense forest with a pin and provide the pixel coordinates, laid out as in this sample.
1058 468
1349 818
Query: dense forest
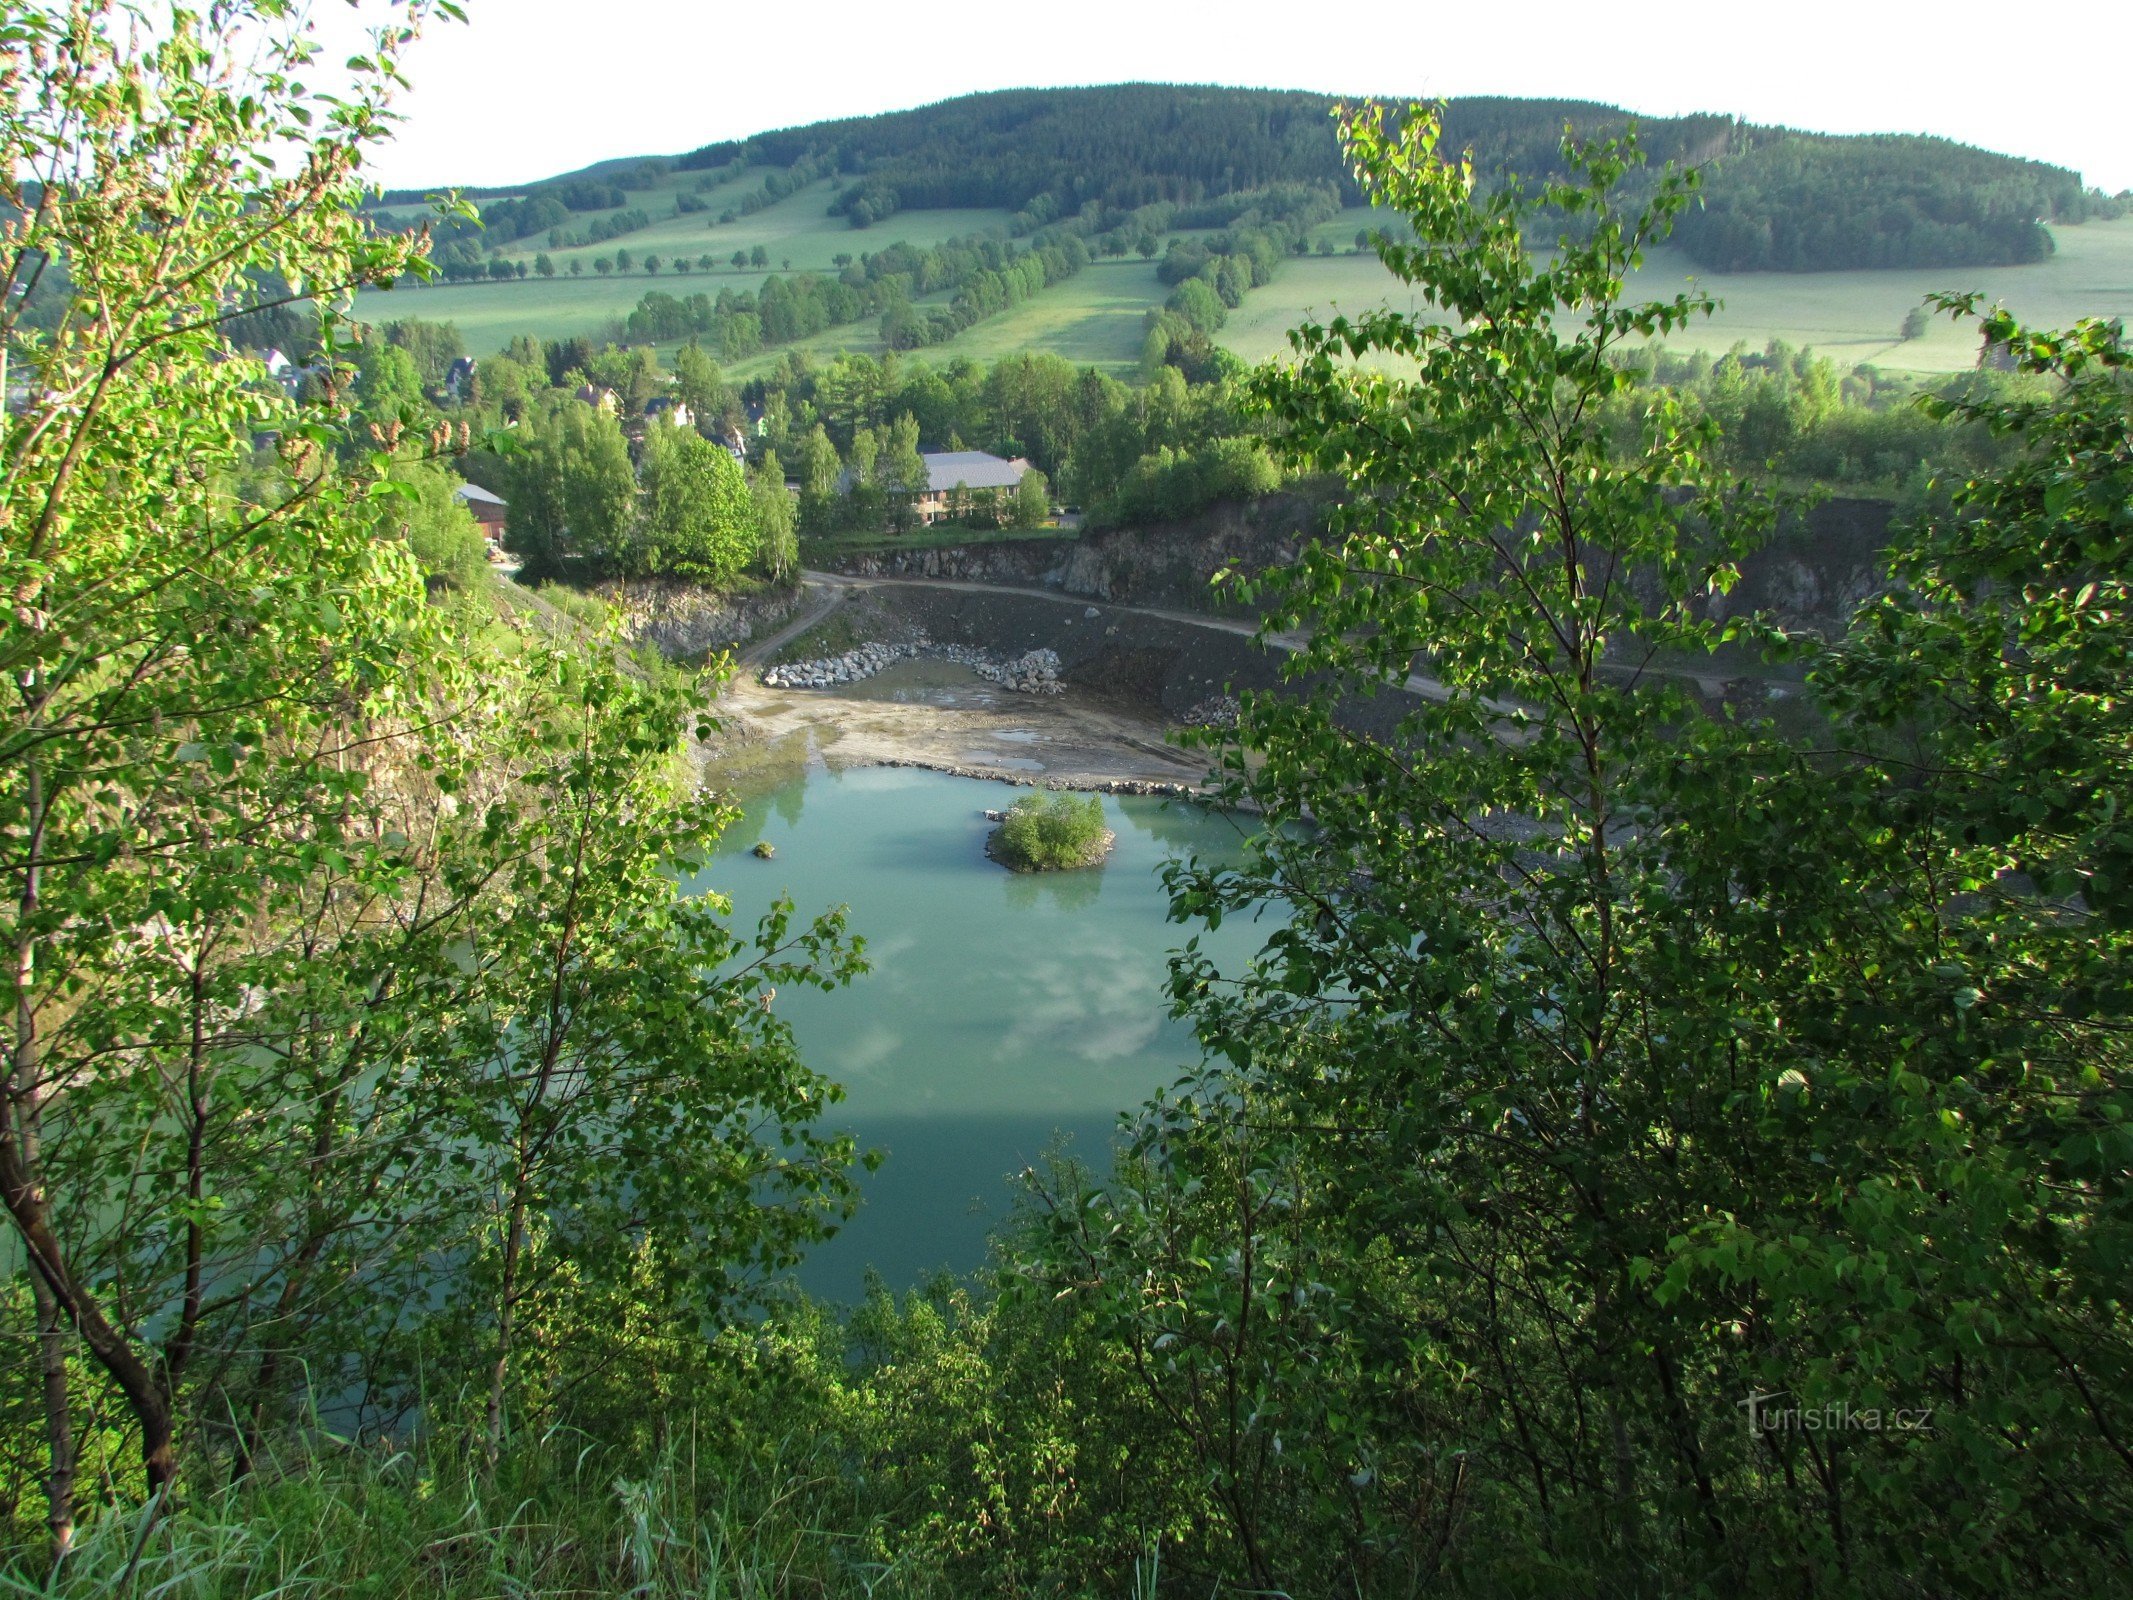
1814 205
1780 199
1649 1152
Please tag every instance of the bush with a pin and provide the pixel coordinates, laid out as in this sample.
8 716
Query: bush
1051 835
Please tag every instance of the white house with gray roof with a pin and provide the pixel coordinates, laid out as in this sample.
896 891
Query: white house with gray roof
949 470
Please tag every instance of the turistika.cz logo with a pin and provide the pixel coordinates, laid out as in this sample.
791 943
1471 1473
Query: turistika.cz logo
1766 1415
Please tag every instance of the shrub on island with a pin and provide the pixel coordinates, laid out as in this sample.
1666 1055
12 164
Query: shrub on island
1040 835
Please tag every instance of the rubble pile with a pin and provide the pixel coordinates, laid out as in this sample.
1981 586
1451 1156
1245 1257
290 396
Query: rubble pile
1032 672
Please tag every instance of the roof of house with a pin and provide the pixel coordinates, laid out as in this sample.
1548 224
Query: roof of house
475 494
973 469
660 403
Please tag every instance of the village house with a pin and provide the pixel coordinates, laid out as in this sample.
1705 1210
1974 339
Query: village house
673 409
950 470
735 441
490 510
598 398
459 379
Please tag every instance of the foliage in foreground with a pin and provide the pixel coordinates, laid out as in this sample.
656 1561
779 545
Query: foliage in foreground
1040 835
1653 1157
346 953
934 1446
1623 1088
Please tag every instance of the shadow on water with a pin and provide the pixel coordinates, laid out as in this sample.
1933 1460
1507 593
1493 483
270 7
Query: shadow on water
1068 891
945 1184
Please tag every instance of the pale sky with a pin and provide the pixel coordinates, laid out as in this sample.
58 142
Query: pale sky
529 88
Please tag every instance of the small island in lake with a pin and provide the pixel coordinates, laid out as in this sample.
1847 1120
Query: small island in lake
1055 835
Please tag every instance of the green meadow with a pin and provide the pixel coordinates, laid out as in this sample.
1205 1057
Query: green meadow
1851 317
797 230
1095 317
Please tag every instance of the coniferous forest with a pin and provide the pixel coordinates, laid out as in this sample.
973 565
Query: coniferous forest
1650 1150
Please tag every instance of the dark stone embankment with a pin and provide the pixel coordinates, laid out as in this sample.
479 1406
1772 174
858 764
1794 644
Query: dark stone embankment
685 621
1813 572
1110 650
1164 564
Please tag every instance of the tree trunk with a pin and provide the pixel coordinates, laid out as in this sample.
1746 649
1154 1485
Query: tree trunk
499 1375
58 1419
22 1179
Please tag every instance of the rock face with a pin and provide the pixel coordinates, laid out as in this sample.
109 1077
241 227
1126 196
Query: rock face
1820 563
1162 564
1031 672
682 620
1216 711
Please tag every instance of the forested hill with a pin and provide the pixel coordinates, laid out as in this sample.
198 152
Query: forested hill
1134 144
1774 198
1800 203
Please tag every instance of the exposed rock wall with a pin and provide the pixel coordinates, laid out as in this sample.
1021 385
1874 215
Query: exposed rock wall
682 621
1103 649
1819 568
1162 564
1816 569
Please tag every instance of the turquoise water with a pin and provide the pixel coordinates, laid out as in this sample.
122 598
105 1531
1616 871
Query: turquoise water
1004 1010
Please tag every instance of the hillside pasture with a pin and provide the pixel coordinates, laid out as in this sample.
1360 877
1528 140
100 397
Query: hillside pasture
1854 317
798 228
1096 316
1851 317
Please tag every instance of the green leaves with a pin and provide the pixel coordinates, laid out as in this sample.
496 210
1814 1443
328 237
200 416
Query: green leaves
1643 1059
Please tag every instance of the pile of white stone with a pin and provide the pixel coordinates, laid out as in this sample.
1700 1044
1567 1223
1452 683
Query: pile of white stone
1221 711
852 667
1032 672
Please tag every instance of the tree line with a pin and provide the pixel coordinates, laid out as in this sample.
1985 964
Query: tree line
988 274
1822 204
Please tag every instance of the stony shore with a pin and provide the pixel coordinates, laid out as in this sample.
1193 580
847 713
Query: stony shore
1075 784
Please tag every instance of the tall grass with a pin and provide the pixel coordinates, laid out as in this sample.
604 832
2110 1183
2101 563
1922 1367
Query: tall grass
559 1517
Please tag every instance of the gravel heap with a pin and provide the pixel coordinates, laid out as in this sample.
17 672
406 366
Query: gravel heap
1220 711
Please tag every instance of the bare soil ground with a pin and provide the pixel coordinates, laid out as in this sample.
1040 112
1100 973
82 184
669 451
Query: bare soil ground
926 713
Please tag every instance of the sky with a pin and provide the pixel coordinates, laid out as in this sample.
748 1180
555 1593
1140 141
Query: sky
529 88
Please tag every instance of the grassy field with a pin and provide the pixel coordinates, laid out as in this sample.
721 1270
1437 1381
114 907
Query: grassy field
1095 317
797 229
1852 317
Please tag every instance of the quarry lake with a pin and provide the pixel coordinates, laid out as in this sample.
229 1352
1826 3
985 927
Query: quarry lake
1003 1010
